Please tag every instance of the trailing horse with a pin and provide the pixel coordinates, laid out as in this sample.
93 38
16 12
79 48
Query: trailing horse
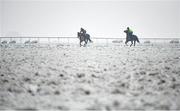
84 37
132 38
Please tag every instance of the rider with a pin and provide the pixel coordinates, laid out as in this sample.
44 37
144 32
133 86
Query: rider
129 32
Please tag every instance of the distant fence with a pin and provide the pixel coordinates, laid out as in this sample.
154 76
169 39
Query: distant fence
56 39
69 40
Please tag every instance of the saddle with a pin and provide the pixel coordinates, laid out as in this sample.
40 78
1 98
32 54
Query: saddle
129 37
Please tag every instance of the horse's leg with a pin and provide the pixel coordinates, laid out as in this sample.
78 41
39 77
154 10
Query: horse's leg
85 43
89 39
126 42
80 43
81 39
131 43
134 43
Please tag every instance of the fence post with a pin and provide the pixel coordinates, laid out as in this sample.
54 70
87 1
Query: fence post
48 40
38 39
68 41
106 42
21 40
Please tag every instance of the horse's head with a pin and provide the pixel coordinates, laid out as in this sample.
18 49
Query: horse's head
126 31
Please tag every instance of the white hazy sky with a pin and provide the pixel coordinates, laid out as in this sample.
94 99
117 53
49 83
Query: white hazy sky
101 18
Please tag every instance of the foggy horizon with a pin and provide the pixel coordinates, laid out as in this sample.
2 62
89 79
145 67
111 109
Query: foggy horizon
101 18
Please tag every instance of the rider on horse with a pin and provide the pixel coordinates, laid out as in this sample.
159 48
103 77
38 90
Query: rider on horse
130 37
83 36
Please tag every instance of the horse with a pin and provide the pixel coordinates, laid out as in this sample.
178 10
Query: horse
84 37
132 38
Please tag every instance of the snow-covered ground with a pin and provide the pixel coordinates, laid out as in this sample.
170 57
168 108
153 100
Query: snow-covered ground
95 77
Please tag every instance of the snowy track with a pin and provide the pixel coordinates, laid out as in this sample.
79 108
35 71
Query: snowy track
93 77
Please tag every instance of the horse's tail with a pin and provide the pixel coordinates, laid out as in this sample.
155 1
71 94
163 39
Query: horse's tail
90 40
88 37
137 39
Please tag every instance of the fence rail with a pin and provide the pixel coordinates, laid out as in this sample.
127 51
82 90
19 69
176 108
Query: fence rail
52 39
70 37
21 39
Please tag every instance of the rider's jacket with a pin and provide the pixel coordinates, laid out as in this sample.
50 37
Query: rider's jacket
130 31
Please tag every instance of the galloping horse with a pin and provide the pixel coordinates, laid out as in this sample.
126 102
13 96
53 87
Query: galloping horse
132 38
83 37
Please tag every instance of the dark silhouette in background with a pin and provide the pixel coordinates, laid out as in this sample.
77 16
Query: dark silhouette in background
83 36
131 37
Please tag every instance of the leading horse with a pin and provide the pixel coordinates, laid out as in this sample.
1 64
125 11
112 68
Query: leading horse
84 37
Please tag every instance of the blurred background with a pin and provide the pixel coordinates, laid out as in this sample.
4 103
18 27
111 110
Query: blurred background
101 18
